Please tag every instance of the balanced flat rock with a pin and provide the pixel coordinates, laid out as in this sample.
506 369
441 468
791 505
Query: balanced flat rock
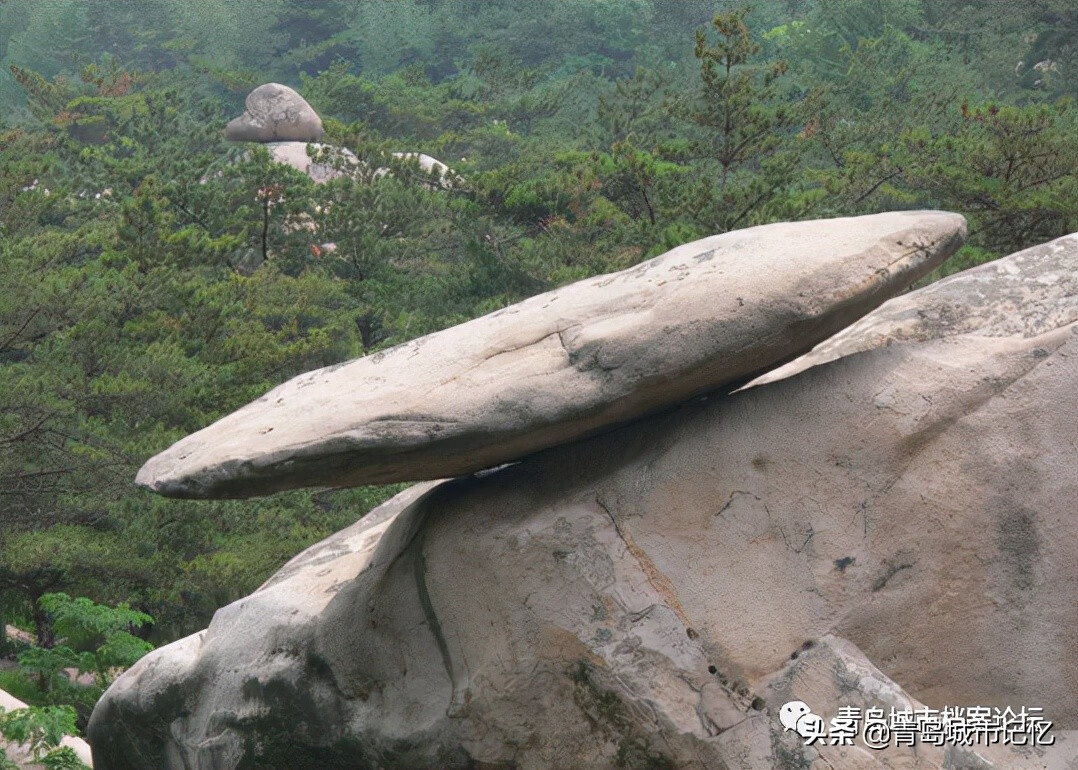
890 529
1022 295
565 364
275 113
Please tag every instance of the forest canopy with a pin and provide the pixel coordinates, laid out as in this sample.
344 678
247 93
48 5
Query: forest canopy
155 278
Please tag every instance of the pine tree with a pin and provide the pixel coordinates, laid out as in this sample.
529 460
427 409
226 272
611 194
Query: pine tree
744 131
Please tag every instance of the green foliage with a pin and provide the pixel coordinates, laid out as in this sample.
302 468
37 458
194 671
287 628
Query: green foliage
1010 168
80 617
743 132
97 640
62 758
41 729
636 107
826 41
17 684
49 665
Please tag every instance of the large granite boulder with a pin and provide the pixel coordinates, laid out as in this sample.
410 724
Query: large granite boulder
643 598
565 364
321 163
275 113
832 674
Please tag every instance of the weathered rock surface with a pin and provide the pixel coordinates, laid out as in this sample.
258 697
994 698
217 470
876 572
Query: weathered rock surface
833 673
997 299
329 162
635 599
275 113
564 364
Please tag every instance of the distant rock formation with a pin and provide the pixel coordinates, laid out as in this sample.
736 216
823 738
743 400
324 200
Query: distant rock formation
565 364
329 162
323 162
275 113
443 177
280 118
889 524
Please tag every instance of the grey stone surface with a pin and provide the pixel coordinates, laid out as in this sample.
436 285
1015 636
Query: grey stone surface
644 597
565 364
275 113
997 299
328 163
831 674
